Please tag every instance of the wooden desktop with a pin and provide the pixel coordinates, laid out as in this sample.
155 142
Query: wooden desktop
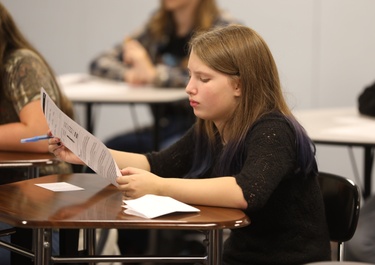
23 204
30 161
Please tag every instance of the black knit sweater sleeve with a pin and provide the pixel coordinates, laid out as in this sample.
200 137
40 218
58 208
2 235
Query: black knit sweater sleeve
271 156
176 160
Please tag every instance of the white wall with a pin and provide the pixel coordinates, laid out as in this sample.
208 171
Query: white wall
324 49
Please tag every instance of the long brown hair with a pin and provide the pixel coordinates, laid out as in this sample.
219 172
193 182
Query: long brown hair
12 39
242 54
207 12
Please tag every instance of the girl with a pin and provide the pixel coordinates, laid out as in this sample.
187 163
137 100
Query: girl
23 71
245 151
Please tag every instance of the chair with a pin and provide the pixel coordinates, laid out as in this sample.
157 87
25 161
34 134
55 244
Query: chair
342 205
339 263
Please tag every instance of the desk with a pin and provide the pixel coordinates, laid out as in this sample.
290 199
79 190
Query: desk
90 90
342 126
338 263
23 204
31 161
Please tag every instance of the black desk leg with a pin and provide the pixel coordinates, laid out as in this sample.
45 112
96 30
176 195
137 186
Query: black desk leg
69 242
22 237
156 137
369 159
89 123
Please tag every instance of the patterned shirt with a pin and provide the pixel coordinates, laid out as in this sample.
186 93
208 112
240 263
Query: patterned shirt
169 54
24 74
171 65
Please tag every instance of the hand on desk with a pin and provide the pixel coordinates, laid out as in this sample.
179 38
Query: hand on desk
141 70
135 183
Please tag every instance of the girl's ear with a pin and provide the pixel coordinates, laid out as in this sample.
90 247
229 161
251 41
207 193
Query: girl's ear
237 88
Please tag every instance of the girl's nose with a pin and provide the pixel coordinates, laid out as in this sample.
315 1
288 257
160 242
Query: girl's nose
190 87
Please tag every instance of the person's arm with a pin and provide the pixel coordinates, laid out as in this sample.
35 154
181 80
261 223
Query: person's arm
271 158
169 167
126 159
109 64
220 191
123 159
32 122
167 76
24 75
164 75
141 68
137 180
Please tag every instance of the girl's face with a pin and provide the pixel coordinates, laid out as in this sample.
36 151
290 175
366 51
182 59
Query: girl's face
213 95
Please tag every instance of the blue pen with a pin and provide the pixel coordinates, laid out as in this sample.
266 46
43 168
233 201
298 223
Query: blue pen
36 138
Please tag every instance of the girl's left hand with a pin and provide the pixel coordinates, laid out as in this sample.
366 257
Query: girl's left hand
135 183
142 71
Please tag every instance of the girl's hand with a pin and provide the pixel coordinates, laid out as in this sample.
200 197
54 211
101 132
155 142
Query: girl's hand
135 183
56 147
142 70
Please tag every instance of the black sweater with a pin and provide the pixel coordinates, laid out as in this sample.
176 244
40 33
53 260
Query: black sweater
286 210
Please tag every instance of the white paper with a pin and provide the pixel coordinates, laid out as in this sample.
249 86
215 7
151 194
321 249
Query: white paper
59 186
82 143
150 206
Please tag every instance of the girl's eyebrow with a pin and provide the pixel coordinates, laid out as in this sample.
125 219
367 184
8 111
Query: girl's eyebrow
199 72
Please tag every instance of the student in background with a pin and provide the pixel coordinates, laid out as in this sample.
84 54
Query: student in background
157 55
23 72
362 246
366 101
246 151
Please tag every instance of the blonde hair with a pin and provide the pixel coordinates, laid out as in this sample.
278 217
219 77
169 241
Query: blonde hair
207 12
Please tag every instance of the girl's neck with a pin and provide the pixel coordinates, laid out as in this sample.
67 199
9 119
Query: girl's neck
221 133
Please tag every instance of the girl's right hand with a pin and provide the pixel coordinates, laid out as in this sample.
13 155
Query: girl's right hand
56 147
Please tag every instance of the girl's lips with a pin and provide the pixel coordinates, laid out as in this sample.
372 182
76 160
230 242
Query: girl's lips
193 103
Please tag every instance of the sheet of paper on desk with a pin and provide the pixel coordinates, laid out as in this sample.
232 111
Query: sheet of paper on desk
59 186
82 143
150 206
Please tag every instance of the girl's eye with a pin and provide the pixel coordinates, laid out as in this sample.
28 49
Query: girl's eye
204 80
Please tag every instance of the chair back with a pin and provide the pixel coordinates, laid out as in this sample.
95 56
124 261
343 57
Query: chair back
342 205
